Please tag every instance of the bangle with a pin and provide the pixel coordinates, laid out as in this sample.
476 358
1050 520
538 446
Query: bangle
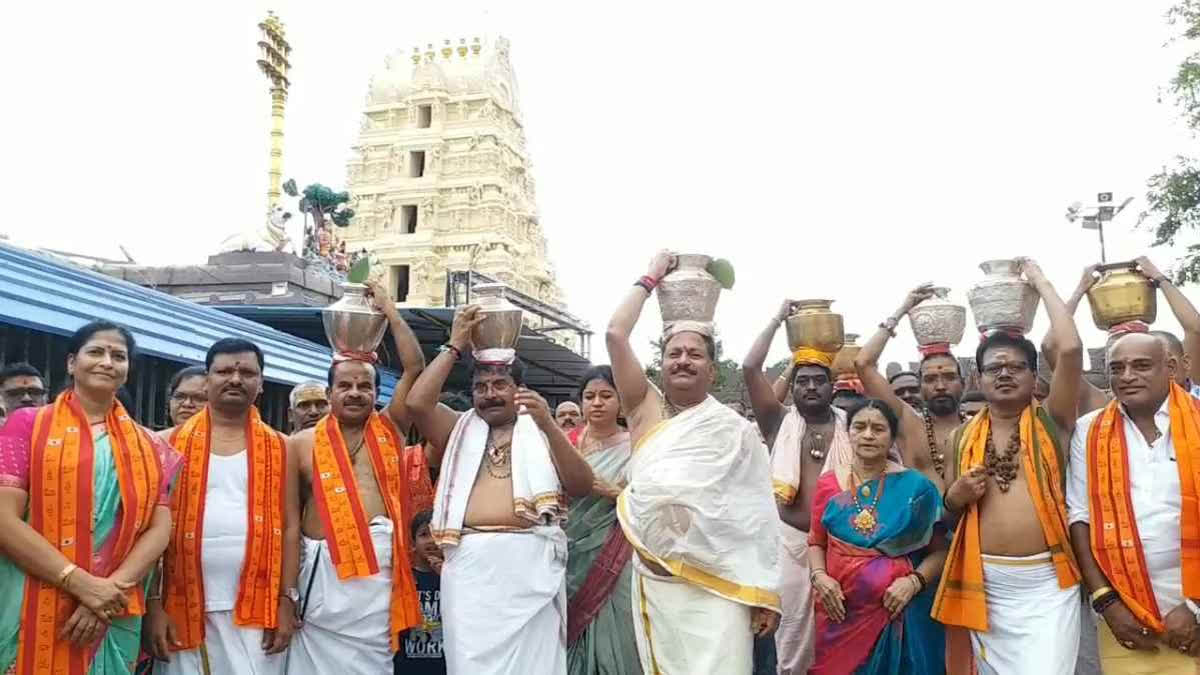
920 579
65 575
641 283
812 576
1103 590
1106 601
451 348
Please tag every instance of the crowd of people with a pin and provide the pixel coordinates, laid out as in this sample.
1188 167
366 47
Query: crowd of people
881 525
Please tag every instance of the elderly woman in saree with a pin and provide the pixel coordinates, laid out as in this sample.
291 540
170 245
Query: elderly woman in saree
876 550
83 517
600 610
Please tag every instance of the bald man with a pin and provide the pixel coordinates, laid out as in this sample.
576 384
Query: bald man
567 415
1132 466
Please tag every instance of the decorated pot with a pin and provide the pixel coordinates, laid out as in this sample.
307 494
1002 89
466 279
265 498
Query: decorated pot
937 320
688 292
843 363
1121 295
351 324
813 326
1002 300
501 325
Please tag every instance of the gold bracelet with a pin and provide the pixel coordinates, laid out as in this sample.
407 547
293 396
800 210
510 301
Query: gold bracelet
65 574
1100 591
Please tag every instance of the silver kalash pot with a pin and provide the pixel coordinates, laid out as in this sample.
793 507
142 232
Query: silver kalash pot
501 326
1002 300
937 320
352 324
689 292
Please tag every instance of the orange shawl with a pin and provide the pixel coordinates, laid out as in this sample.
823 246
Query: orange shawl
60 508
960 599
1115 540
420 482
335 493
258 589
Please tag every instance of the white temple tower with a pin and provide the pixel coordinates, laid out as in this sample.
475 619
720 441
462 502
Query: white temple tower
440 180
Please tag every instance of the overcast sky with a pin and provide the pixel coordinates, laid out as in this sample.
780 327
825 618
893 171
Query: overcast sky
842 150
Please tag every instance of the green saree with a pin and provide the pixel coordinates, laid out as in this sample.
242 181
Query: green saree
600 614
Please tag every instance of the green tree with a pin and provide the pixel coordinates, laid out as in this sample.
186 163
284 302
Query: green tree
322 202
1173 193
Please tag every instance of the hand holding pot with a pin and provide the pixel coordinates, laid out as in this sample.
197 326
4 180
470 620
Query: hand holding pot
1149 270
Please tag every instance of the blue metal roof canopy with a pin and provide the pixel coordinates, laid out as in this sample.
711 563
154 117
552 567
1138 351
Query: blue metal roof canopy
42 293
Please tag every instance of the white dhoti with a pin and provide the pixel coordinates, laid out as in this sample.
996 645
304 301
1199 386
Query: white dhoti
346 622
228 649
1033 625
504 603
682 629
794 638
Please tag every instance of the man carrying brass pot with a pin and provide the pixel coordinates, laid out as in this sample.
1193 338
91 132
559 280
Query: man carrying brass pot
1011 577
506 472
801 437
698 510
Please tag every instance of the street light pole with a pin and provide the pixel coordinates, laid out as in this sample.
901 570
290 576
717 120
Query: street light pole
1094 216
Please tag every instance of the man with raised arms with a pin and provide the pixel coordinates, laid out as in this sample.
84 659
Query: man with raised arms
698 510
506 472
359 594
1011 577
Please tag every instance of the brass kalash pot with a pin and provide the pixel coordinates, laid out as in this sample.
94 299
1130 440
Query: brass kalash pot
813 326
843 363
501 325
1122 295
351 324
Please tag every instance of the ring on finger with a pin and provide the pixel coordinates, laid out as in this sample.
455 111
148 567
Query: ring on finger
1128 644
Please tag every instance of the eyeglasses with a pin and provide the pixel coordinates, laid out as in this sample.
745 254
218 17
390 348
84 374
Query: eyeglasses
1014 369
194 399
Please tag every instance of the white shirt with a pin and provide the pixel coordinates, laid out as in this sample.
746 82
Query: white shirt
223 544
1155 495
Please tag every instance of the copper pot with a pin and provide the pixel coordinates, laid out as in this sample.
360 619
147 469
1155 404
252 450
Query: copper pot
813 326
1121 295
843 363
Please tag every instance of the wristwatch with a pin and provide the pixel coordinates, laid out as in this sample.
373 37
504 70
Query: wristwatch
291 593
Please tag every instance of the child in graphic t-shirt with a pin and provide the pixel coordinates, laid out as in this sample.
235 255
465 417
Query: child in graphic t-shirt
420 650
